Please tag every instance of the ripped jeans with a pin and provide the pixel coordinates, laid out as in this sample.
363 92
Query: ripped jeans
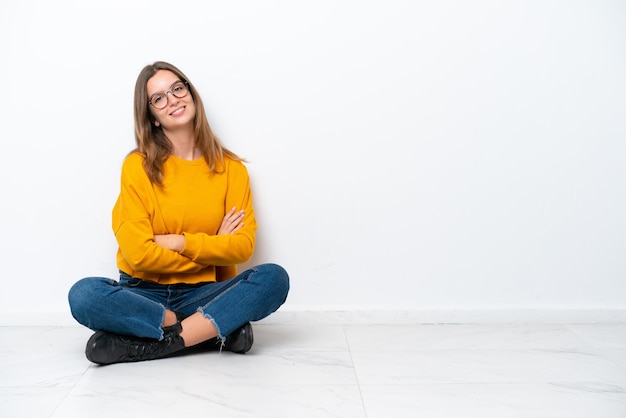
134 307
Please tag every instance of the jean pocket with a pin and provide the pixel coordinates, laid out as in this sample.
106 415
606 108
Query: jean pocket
128 281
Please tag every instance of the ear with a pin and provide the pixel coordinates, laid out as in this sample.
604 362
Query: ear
156 123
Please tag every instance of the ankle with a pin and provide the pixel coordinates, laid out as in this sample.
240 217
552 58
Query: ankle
197 329
169 319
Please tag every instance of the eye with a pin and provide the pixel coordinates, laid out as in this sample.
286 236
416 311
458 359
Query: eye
178 88
157 99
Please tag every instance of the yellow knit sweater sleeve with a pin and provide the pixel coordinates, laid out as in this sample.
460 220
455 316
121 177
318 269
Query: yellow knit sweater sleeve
224 250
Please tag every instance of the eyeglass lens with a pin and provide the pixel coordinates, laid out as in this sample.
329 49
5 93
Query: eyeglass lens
178 89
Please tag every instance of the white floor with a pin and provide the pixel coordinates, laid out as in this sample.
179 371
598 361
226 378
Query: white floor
373 371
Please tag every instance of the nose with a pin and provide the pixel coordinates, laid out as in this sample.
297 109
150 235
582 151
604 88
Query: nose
171 99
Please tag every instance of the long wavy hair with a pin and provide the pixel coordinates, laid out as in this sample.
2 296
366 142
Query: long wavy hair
154 145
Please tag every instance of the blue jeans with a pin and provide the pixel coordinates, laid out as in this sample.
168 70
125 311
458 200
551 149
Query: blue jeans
134 307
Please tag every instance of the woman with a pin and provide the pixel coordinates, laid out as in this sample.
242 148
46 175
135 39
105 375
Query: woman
183 221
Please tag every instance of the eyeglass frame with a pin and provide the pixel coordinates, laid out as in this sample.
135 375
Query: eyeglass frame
169 91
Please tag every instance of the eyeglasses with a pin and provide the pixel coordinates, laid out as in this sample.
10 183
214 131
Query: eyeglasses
178 89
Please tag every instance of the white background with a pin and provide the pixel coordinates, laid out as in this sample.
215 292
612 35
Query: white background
405 155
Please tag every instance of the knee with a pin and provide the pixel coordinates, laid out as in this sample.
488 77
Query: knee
81 295
277 277
78 291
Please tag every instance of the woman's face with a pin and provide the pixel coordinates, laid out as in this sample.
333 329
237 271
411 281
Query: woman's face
178 112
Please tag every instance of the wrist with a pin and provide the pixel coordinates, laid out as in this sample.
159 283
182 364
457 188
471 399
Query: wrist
180 242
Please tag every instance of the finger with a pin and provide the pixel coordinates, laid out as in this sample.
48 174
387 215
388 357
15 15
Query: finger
235 218
232 214
228 217
237 228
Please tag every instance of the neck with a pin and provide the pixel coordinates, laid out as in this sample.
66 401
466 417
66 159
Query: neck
183 143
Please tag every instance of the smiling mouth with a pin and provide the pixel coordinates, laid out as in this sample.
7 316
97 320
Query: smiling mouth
178 111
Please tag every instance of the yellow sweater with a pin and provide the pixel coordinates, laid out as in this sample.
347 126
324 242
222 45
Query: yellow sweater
192 202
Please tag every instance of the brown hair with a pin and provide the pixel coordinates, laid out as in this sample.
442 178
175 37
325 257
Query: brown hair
152 143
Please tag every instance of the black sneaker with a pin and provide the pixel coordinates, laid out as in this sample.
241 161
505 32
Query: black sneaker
241 340
108 348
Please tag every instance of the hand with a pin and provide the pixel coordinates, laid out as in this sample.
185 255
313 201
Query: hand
231 223
174 242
